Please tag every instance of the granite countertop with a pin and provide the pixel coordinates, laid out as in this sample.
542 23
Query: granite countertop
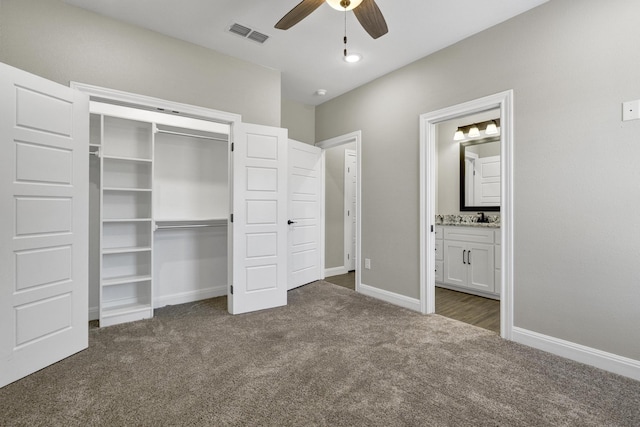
471 224
493 221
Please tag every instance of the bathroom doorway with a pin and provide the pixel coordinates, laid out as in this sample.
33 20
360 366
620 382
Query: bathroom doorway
463 246
467 207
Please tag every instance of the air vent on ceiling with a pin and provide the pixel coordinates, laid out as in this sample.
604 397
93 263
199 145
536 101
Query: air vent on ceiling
248 33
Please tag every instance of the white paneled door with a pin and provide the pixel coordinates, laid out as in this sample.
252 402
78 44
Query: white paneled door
44 165
305 191
259 228
350 201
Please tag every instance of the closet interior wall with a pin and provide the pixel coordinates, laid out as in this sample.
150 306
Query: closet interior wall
159 206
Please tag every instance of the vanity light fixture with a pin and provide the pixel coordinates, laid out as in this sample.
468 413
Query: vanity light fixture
491 128
474 131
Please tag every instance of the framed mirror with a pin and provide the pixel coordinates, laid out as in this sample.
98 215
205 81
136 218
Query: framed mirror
480 175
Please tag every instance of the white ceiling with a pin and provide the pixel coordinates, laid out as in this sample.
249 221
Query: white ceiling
309 55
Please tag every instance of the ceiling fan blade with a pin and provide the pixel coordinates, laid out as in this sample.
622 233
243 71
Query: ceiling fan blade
298 13
371 19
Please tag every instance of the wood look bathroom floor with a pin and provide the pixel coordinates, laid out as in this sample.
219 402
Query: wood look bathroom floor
467 308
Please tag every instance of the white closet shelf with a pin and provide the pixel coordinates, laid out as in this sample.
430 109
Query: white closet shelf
125 250
125 309
114 220
113 281
189 223
127 159
124 189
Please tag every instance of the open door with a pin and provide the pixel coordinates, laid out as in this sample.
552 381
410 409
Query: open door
350 203
259 228
44 178
305 193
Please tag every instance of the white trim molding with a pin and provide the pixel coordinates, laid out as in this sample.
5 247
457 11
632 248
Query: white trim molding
428 123
97 93
590 356
335 271
390 297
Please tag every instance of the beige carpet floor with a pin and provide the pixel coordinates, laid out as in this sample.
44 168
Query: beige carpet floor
331 357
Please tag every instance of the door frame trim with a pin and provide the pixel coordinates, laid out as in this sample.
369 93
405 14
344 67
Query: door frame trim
356 137
428 142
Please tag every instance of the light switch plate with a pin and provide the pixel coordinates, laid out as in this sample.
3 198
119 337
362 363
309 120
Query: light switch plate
631 110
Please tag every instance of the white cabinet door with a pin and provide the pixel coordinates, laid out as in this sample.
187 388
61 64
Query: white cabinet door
259 229
455 263
305 189
480 266
44 178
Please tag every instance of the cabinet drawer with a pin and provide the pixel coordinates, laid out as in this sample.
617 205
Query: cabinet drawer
439 233
469 234
439 250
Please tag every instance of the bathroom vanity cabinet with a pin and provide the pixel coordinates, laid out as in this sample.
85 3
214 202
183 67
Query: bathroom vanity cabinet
466 259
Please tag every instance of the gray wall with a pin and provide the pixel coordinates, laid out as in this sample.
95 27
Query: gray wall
63 43
300 120
570 64
334 205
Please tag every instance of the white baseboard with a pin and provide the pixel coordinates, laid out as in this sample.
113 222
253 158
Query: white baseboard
94 313
184 297
335 271
590 356
390 297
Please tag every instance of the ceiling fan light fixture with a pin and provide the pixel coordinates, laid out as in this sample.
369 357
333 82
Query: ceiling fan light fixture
352 57
338 5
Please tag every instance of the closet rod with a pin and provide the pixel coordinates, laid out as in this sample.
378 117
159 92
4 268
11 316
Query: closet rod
192 135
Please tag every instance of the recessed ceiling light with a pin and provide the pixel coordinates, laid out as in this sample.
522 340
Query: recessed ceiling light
353 57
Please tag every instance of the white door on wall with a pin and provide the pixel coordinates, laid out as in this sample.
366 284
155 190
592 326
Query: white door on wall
259 229
44 178
305 191
487 181
350 194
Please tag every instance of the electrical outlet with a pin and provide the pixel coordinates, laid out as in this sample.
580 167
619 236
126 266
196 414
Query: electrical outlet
631 110
367 263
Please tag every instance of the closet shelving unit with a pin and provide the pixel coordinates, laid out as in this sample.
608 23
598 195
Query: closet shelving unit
126 230
156 174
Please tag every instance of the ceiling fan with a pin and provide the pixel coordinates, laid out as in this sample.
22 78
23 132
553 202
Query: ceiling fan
367 12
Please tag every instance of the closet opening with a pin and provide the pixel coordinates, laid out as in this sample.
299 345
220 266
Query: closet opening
159 211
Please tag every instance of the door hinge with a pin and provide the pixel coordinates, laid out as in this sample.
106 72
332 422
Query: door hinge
348 213
232 146
231 289
231 218
432 228
348 256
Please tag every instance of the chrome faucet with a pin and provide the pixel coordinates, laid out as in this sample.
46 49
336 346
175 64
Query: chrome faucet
482 217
